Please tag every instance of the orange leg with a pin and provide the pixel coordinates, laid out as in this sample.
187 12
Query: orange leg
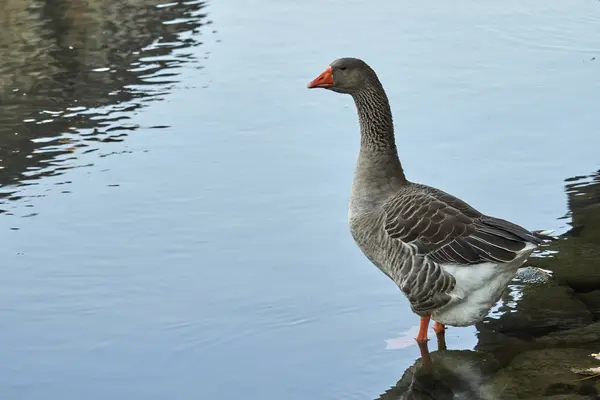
440 331
439 328
424 325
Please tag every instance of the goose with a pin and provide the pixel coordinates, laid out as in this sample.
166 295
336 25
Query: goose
451 261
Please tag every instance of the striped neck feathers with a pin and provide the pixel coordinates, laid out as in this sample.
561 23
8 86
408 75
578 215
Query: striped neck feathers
377 140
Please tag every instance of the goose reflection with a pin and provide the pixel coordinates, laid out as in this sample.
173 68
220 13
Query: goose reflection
446 374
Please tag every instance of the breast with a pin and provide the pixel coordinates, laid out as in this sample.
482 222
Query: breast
370 238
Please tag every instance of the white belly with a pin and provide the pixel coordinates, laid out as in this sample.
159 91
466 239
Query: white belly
478 288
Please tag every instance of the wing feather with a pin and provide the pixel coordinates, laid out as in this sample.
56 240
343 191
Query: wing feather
448 230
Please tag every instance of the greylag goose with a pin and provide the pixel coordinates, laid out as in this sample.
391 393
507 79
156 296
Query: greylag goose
451 261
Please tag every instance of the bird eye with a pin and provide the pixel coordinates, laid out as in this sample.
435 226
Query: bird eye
343 68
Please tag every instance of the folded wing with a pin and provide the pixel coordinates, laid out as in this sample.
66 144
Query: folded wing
448 230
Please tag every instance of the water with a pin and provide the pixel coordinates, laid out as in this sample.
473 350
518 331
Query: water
174 199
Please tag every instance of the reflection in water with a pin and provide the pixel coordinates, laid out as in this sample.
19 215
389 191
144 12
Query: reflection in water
575 258
584 199
452 375
546 326
72 73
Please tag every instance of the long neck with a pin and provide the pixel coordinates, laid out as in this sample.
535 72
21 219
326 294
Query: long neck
376 123
378 170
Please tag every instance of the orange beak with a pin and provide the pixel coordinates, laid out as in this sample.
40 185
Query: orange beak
325 80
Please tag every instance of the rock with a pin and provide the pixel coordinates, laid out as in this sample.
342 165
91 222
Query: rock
591 301
585 335
575 258
545 373
504 347
530 311
574 262
584 202
586 221
533 276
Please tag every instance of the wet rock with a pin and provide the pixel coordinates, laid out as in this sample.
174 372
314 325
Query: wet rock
584 202
545 373
504 347
530 311
533 276
586 221
589 334
591 301
574 262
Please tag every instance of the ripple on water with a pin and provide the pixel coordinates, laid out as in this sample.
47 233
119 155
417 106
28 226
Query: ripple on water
70 87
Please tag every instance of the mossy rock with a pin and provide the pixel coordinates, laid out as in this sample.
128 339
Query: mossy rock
584 335
531 311
566 397
576 263
545 373
591 301
586 221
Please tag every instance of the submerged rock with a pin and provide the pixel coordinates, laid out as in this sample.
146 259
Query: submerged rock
530 311
545 373
575 262
591 301
504 347
585 335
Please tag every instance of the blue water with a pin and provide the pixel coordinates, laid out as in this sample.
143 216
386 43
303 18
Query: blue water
204 251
